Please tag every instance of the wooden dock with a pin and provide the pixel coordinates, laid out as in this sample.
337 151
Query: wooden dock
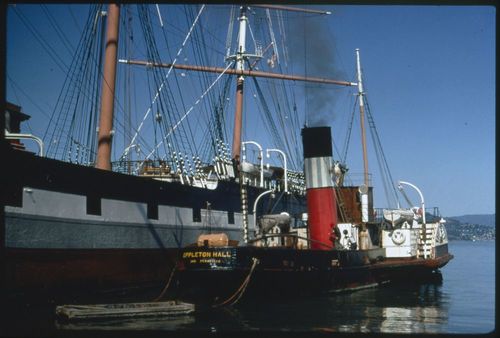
124 310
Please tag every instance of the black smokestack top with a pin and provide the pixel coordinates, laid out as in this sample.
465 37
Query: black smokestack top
314 52
317 142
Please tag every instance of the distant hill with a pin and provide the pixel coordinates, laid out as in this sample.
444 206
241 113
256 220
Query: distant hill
488 220
471 227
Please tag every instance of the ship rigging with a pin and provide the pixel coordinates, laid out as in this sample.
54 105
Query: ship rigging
171 127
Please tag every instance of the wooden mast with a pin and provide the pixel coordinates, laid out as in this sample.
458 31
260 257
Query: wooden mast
363 233
105 136
362 119
240 59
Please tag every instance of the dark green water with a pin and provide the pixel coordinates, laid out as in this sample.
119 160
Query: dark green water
464 302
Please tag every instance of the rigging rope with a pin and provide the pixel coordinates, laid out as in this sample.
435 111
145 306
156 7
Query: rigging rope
384 167
229 37
271 33
159 15
215 103
282 30
125 153
281 140
343 157
58 30
190 110
166 102
251 35
45 45
78 102
75 77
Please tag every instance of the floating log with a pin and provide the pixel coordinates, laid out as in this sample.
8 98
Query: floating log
122 310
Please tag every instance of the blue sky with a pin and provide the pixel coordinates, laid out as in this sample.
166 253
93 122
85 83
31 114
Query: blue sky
429 76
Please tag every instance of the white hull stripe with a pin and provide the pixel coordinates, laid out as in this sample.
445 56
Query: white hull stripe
317 172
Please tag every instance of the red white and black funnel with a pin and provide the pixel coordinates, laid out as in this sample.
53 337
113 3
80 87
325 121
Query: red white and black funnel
321 203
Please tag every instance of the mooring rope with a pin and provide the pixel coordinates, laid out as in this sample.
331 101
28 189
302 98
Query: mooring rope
241 290
168 283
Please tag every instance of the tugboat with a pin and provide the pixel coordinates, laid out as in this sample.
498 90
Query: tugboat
320 253
338 245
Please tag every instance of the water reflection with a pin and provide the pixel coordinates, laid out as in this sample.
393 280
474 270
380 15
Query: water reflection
415 308
403 308
159 324
424 312
419 307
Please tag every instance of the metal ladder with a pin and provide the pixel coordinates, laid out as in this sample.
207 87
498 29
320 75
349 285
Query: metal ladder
425 242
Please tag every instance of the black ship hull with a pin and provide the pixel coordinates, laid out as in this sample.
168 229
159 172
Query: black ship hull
220 276
69 228
41 275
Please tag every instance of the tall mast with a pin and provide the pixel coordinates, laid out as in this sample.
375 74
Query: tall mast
105 136
239 86
362 118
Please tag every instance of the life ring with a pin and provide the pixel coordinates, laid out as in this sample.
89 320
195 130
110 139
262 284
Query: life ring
398 237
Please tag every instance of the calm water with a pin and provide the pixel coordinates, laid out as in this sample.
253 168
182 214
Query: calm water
463 303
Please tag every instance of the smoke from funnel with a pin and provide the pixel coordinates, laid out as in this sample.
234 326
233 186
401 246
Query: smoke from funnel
313 51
